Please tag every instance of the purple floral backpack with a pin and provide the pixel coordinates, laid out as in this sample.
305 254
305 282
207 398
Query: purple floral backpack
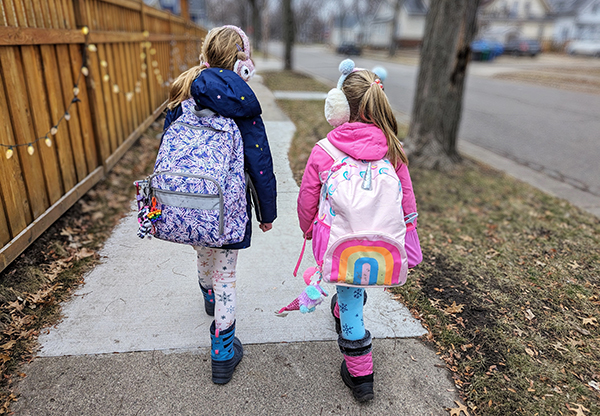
197 193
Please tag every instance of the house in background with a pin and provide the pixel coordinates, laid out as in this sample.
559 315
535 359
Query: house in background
196 8
505 20
576 20
375 31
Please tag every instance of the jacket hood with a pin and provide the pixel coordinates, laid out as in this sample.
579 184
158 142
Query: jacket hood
226 93
359 140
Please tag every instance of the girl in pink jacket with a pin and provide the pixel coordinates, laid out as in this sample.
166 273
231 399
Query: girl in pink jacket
365 129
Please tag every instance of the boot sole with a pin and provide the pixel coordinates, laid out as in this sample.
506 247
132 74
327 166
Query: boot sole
362 392
222 371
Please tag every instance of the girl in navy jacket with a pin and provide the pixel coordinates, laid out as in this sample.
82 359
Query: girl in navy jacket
219 85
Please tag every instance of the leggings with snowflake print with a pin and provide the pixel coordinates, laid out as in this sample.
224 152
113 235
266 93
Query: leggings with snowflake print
216 270
350 301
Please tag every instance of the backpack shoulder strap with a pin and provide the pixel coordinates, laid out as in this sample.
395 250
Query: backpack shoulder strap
330 149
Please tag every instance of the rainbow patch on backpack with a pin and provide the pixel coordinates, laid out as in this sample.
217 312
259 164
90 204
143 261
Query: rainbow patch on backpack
366 263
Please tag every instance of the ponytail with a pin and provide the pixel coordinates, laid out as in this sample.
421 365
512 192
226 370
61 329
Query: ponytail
369 104
181 87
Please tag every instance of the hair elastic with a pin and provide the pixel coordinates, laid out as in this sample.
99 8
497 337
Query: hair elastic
378 82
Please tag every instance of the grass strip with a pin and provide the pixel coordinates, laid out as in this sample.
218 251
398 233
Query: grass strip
509 287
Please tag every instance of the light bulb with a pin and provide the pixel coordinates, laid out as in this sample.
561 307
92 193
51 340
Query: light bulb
53 130
30 149
146 33
129 96
85 30
104 64
85 71
142 55
106 77
116 88
67 116
76 91
154 64
9 153
143 75
152 51
48 142
92 48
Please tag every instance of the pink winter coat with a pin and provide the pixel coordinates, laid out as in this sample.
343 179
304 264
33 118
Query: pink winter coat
360 141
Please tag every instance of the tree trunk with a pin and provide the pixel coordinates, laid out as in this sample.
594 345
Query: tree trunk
395 25
256 24
288 33
445 54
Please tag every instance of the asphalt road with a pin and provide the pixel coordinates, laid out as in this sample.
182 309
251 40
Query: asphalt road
551 130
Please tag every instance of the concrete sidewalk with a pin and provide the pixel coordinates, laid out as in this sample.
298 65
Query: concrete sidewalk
134 340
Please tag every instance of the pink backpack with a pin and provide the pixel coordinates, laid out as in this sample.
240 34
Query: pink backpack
359 234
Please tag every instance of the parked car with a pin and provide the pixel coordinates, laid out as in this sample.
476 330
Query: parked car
523 47
486 49
348 48
584 47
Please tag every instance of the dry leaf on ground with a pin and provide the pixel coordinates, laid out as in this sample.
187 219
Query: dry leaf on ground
454 308
456 411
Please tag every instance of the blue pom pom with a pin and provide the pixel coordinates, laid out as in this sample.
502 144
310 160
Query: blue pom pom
380 72
303 309
346 66
312 292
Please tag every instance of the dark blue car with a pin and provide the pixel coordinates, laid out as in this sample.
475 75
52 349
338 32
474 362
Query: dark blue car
486 49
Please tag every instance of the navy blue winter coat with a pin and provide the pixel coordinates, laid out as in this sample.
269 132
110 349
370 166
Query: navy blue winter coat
225 93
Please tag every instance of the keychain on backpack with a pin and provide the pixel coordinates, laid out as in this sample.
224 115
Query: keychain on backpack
148 213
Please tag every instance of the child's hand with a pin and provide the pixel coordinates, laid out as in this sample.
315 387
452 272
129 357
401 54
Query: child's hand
265 226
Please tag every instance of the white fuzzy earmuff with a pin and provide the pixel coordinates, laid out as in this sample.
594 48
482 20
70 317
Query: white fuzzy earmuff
337 109
245 68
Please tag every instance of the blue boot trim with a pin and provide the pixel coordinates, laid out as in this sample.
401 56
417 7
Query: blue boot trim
226 354
209 300
222 343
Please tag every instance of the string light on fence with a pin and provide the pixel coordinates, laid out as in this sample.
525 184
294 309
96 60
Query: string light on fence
85 71
30 147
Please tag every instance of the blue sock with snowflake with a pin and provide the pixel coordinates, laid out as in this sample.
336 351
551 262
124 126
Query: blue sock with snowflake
350 301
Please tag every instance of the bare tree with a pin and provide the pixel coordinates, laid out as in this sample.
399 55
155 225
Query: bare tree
395 26
449 29
256 6
288 33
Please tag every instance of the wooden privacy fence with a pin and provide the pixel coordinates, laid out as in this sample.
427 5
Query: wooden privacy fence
80 80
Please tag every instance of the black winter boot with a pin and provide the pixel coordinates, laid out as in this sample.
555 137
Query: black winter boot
209 300
358 361
226 353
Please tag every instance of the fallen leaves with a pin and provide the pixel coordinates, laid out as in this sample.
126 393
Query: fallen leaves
456 411
454 308
578 410
528 314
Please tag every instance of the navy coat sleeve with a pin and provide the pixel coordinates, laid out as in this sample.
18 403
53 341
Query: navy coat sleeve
259 165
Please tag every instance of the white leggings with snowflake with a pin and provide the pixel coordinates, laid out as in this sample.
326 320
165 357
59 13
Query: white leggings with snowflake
216 270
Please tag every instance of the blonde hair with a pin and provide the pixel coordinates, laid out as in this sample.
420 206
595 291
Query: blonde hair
220 49
369 104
